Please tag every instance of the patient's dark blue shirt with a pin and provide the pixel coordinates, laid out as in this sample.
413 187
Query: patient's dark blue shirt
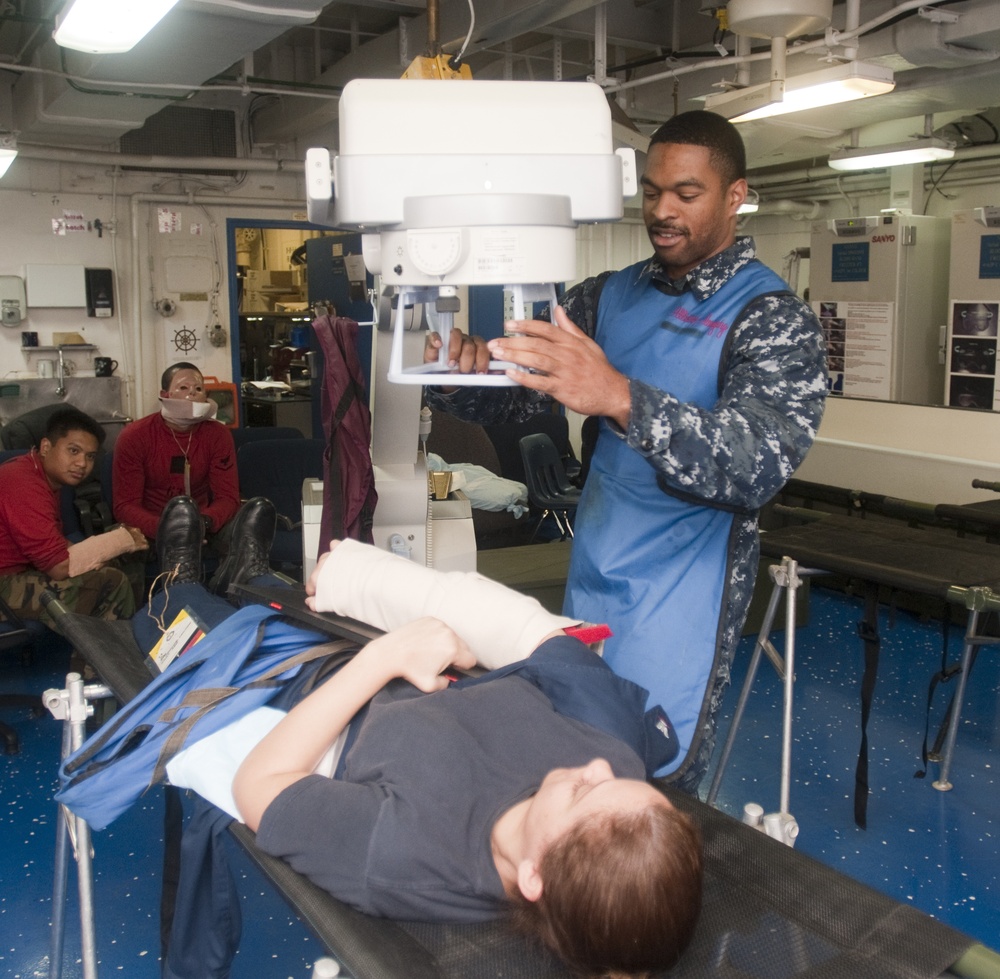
405 833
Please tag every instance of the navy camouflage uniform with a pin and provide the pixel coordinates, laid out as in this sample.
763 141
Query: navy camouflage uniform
735 456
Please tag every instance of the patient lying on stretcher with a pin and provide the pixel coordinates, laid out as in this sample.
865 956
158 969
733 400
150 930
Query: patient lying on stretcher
524 788
451 802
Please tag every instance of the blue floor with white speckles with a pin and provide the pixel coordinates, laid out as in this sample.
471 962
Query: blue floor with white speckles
939 851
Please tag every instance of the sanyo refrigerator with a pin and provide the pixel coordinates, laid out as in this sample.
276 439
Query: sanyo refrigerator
880 287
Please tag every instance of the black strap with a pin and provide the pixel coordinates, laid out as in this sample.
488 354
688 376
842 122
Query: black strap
943 675
868 630
173 825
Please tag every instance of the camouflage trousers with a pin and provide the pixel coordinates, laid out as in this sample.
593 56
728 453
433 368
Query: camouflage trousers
107 593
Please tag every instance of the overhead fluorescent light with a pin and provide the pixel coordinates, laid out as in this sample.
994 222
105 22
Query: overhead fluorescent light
108 26
8 151
828 86
920 150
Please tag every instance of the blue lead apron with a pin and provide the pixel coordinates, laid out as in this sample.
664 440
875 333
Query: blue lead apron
655 567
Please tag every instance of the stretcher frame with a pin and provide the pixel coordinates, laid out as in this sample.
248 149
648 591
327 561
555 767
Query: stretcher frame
913 553
787 578
764 903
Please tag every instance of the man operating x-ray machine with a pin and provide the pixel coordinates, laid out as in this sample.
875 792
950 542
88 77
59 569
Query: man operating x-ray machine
458 184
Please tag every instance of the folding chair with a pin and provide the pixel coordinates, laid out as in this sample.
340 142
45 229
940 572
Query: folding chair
550 491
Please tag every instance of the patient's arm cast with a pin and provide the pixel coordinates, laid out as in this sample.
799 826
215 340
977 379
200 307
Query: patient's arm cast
499 625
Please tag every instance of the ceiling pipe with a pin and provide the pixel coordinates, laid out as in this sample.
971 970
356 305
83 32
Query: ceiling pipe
865 184
743 69
808 174
170 163
852 20
832 38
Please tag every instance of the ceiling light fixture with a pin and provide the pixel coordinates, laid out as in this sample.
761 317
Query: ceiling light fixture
921 150
8 151
108 26
828 86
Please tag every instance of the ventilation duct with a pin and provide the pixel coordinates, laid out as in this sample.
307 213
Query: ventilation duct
184 132
922 42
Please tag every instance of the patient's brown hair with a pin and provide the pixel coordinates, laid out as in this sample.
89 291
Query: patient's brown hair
621 893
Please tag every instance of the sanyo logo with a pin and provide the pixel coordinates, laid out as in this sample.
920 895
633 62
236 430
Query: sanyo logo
883 239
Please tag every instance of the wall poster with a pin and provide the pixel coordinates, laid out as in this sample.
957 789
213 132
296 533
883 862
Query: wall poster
859 339
972 355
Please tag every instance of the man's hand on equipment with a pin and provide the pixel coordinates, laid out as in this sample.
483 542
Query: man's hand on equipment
468 354
571 367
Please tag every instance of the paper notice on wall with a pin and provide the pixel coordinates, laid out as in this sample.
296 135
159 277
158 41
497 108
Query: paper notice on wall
70 223
196 230
74 221
168 221
859 352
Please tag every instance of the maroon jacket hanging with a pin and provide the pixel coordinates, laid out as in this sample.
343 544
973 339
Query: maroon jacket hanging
348 478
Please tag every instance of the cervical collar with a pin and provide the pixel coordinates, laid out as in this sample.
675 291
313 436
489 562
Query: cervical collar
182 413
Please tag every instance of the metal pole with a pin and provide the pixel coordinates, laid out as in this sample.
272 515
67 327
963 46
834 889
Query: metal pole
601 43
433 30
61 875
791 589
762 639
941 783
78 710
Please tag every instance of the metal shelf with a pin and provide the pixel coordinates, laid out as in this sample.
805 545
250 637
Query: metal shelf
65 347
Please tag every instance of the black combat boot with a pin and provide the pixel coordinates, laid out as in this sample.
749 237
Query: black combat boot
249 546
178 539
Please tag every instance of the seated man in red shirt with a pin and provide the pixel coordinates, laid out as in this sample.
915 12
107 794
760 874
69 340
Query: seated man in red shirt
179 450
89 577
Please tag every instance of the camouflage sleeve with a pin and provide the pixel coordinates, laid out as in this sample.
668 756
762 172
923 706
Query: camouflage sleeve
486 405
741 451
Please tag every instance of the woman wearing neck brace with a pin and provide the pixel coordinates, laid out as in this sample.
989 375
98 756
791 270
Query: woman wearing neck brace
179 450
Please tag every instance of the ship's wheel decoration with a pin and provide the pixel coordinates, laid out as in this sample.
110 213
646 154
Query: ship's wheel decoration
185 340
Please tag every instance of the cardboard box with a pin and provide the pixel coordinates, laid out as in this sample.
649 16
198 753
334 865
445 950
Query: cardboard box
278 280
255 302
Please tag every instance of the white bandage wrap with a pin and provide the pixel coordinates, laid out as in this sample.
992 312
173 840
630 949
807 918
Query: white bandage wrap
92 552
500 626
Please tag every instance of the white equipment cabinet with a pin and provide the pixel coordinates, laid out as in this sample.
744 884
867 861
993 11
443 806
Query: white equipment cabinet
879 287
